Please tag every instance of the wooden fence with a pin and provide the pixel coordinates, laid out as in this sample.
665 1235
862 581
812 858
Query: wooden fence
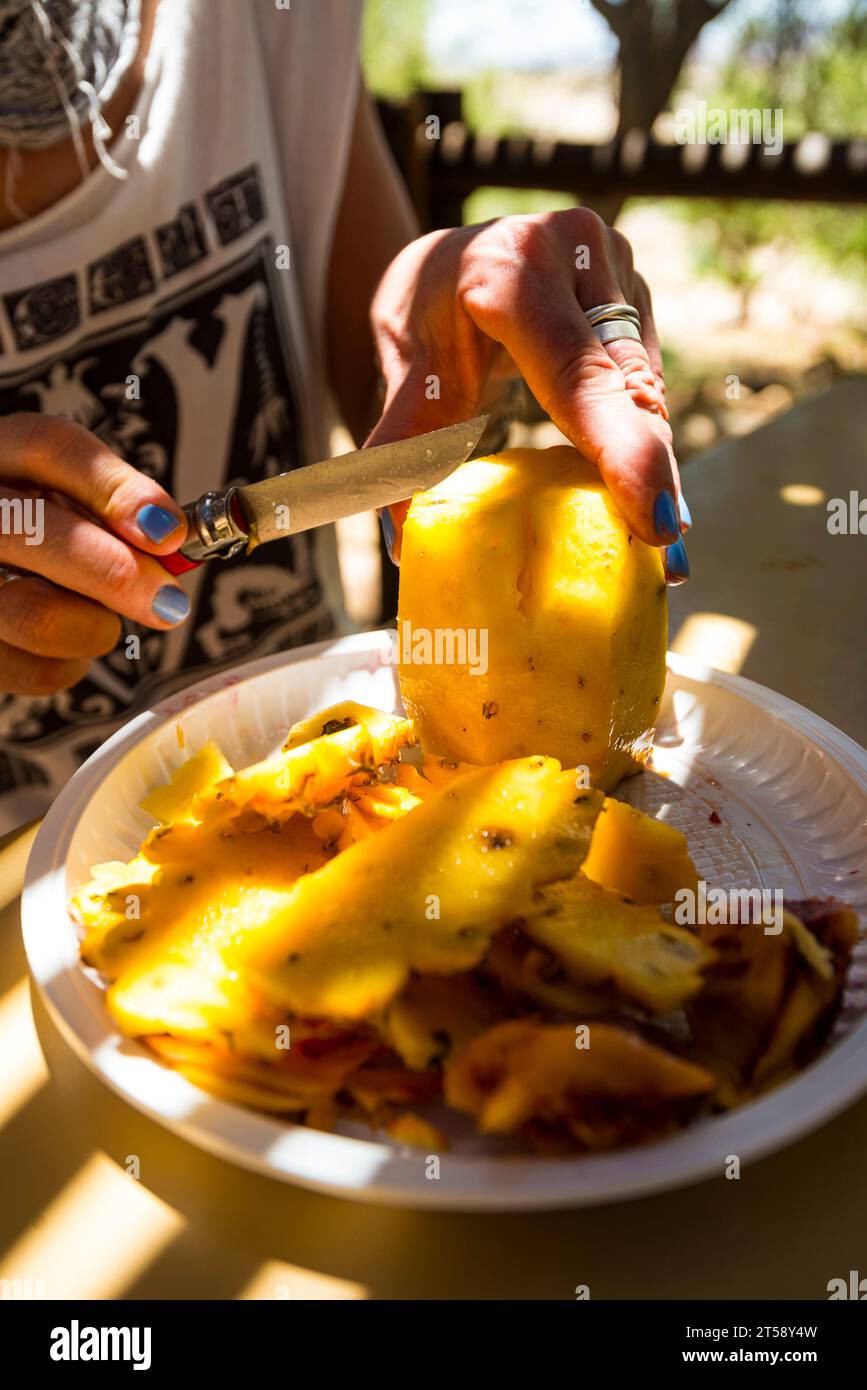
443 162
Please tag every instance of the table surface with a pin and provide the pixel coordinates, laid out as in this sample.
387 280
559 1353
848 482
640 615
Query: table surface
774 595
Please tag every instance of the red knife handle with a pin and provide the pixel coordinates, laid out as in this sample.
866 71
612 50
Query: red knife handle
177 562
216 529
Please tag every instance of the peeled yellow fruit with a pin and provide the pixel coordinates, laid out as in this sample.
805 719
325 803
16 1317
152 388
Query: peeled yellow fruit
158 928
413 1130
425 895
436 1016
616 1086
643 858
600 939
176 799
319 761
521 565
287 1080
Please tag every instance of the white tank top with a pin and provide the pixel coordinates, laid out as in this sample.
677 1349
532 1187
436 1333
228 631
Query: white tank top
178 315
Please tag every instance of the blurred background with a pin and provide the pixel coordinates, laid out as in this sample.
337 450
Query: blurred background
757 259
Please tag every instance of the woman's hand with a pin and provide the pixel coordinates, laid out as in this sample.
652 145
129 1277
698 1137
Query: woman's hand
458 310
74 521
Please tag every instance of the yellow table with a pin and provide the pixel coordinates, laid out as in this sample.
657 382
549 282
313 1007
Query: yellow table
193 1227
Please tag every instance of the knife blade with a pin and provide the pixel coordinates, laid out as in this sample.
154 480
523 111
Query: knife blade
356 482
222 523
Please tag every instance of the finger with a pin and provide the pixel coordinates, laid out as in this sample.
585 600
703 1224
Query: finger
22 673
633 361
641 298
604 282
40 618
57 453
584 392
642 301
77 554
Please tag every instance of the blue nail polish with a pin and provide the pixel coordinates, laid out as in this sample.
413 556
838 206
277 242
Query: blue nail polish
665 517
171 604
685 513
157 523
676 564
388 531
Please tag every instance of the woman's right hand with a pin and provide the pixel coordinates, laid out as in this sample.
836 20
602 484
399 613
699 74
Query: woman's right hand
84 564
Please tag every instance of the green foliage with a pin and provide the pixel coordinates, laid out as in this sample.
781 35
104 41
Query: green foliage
487 203
488 104
817 74
393 51
729 233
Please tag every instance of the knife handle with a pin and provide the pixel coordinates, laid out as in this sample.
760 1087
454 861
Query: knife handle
216 529
177 562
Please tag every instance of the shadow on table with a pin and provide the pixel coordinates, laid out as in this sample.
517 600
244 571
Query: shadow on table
791 1223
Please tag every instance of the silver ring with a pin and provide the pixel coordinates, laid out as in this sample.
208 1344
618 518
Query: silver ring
612 321
612 329
602 312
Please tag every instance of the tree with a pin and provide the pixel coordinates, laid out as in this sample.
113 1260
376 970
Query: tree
654 37
393 48
817 73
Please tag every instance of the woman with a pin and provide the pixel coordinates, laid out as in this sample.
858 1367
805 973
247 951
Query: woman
202 236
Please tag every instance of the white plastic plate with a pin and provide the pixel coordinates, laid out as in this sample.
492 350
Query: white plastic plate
788 790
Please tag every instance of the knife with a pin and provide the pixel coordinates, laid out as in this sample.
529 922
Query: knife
220 524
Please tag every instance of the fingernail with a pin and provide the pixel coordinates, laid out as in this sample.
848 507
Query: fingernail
665 517
388 532
685 513
676 564
157 523
171 604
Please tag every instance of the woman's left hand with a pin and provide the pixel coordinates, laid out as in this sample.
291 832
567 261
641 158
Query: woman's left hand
459 311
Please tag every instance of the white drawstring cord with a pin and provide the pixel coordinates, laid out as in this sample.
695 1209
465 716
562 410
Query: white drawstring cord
116 25
13 169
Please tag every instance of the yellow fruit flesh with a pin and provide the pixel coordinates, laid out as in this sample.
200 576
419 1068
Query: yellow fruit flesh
600 939
435 1017
418 1133
428 898
525 1070
528 547
308 773
177 798
192 892
235 925
283 1081
636 855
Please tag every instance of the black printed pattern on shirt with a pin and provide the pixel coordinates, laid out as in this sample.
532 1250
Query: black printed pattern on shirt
205 374
41 313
